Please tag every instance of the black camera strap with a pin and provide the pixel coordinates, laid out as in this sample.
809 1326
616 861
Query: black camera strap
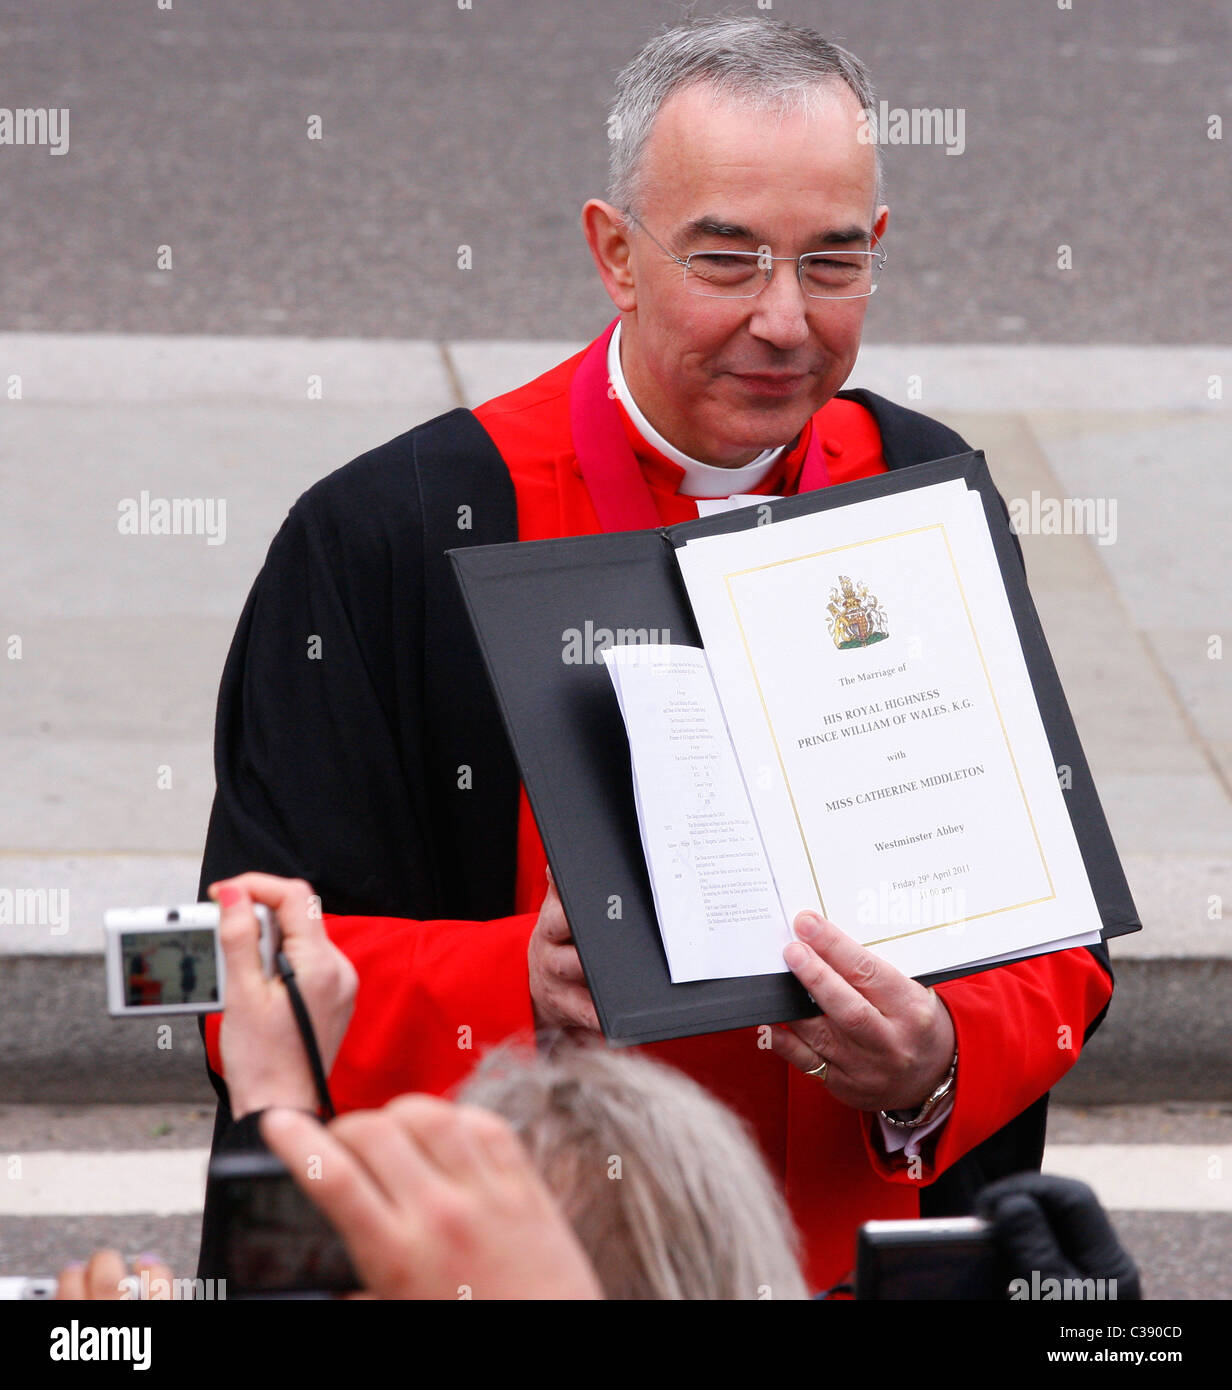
306 1032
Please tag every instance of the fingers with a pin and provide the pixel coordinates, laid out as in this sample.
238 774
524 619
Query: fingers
465 1143
1024 1237
1032 1210
441 1132
552 923
875 979
792 1048
99 1278
303 935
239 935
304 939
157 1279
431 1198
818 1036
893 1056
105 1272
498 1143
850 1014
1056 1226
105 1278
71 1286
804 1055
559 991
577 1009
294 902
391 1182
277 893
332 1177
564 964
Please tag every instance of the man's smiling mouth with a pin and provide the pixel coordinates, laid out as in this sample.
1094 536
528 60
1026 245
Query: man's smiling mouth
772 383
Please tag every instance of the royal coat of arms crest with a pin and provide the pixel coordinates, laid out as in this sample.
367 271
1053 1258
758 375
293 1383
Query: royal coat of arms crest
856 618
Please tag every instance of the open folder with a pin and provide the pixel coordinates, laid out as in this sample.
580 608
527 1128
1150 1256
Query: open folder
840 701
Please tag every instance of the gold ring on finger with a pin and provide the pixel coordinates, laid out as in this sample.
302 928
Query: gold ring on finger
819 1070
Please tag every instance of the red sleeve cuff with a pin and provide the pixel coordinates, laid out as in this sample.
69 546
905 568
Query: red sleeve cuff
1019 1029
432 996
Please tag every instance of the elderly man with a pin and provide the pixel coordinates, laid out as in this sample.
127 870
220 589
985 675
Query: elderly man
358 746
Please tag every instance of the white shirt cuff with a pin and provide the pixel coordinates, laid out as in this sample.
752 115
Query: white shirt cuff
908 1141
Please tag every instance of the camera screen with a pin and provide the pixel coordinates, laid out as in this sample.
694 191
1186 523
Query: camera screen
178 966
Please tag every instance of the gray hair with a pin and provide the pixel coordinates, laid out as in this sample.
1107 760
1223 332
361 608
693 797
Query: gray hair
665 1189
766 64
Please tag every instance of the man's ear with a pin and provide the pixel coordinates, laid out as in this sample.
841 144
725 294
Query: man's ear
881 222
608 238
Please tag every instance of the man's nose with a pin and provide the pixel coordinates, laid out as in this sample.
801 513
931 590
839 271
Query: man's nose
779 312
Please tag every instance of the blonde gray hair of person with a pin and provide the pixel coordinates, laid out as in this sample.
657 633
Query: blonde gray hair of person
764 64
665 1188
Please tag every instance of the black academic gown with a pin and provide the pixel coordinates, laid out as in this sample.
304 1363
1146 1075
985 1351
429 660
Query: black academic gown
342 769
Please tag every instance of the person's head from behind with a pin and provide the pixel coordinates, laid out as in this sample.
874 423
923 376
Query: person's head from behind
739 135
665 1189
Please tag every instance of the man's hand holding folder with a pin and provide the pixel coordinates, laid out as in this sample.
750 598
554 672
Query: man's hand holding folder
889 1042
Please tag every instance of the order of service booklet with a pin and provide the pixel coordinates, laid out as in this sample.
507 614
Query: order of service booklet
841 701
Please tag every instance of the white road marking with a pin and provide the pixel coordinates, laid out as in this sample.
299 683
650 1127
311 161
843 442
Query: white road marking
168 1182
161 1182
1149 1177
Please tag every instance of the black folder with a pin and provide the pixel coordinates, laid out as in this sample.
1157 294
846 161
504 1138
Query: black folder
540 610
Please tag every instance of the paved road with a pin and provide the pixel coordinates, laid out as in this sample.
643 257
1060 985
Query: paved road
485 127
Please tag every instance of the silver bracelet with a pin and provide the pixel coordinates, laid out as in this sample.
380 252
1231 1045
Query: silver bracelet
928 1109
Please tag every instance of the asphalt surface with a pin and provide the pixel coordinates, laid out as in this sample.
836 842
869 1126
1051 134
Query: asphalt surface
486 127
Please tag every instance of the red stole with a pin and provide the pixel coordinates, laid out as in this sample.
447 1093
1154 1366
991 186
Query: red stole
618 491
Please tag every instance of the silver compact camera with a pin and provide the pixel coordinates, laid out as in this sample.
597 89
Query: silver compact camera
168 960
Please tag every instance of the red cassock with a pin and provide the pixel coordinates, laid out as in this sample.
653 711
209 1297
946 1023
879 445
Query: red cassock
433 995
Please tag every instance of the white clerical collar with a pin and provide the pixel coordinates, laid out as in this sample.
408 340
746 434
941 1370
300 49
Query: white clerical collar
700 479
